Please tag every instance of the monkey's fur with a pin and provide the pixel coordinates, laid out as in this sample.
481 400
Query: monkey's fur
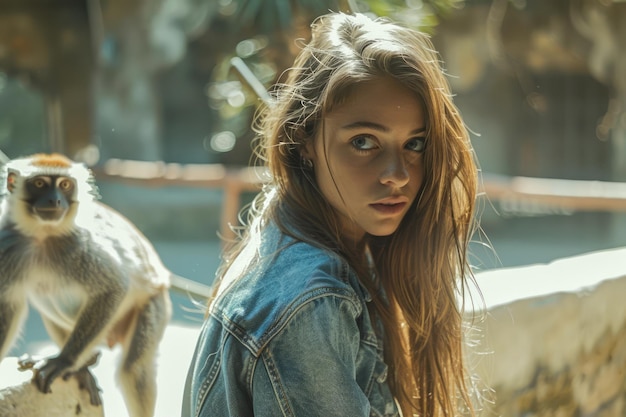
93 277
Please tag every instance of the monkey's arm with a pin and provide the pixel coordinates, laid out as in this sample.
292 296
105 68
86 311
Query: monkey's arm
13 304
85 378
12 314
91 324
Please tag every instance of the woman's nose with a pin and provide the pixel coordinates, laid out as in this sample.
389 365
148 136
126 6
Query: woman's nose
394 170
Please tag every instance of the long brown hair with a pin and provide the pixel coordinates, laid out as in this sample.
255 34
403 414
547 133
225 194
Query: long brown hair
422 266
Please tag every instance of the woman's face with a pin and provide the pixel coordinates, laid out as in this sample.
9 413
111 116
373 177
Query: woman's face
368 159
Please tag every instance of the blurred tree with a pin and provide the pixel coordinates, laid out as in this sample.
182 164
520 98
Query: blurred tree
98 63
260 36
104 60
601 22
49 46
557 70
94 62
572 37
139 40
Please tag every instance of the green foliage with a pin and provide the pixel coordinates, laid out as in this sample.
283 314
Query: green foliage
262 25
422 14
268 16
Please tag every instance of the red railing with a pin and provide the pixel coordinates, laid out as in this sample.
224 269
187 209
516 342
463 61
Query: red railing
522 192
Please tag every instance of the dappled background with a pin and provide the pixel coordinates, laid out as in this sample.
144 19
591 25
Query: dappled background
158 97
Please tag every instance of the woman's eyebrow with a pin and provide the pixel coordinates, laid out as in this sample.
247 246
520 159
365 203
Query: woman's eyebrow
375 126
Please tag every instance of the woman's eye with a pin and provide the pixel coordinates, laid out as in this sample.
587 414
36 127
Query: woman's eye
363 143
416 144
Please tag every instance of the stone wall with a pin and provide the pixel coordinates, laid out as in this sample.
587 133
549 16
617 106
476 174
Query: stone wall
554 338
24 400
552 343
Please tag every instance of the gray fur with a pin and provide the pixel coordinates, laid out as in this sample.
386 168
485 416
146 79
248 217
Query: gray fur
95 280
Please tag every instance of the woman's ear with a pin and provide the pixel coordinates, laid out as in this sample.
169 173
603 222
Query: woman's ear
307 151
307 155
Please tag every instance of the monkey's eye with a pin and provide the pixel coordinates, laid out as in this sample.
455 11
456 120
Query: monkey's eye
65 184
39 183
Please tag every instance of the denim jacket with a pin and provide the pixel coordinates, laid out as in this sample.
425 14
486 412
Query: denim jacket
291 337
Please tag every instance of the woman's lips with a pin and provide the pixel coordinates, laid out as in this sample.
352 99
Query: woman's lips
389 208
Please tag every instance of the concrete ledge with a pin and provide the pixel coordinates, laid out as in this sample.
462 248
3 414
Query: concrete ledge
175 355
24 400
552 344
554 337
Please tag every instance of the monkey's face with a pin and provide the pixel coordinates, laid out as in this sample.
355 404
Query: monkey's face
48 197
43 193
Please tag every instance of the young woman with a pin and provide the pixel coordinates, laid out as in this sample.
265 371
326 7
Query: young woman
342 297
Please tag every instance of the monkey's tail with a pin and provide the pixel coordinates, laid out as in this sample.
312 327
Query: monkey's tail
188 287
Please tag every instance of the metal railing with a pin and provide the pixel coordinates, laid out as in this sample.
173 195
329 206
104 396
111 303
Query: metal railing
529 193
518 194
555 194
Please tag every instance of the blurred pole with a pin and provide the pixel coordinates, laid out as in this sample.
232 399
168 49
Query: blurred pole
618 138
250 79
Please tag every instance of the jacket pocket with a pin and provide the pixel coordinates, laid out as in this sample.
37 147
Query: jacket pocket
382 402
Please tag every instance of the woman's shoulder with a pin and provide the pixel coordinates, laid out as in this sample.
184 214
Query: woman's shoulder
268 294
288 275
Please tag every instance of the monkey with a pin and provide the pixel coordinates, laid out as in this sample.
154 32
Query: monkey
94 278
